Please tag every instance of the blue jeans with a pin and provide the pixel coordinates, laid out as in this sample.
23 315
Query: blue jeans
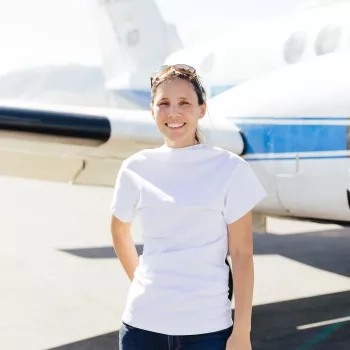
131 338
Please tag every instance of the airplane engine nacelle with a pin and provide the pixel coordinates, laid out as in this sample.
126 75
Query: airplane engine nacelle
85 145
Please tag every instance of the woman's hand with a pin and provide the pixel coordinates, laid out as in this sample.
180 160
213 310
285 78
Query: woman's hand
238 341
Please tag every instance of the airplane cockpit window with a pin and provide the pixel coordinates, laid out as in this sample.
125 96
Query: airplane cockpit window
328 40
294 47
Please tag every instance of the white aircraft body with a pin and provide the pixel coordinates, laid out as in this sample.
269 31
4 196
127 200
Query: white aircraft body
135 40
291 124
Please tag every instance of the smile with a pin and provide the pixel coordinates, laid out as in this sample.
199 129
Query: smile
175 126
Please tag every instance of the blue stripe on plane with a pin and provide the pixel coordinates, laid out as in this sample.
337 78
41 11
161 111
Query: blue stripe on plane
142 97
139 97
286 138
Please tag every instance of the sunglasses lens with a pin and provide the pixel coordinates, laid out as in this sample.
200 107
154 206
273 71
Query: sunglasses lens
185 67
181 67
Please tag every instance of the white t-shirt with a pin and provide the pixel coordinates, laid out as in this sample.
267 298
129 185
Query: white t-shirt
184 198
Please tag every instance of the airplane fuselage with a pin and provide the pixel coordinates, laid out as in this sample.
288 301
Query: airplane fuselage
296 129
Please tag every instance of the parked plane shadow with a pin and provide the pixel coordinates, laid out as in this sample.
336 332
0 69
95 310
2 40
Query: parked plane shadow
98 252
274 326
327 250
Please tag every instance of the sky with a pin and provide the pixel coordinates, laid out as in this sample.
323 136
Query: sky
40 32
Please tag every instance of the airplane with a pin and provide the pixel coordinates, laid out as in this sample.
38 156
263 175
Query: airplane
291 124
135 40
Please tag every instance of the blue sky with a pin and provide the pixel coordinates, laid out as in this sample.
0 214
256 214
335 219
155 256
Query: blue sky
38 32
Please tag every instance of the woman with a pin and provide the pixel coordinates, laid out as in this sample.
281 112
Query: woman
194 205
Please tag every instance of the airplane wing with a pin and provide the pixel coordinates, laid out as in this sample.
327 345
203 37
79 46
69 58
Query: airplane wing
84 145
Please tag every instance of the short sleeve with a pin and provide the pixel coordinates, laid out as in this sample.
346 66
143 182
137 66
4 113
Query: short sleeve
244 191
125 195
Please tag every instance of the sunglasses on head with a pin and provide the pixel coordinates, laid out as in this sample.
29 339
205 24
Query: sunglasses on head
181 68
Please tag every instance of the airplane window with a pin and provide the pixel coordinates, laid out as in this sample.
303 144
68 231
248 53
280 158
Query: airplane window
328 40
133 37
294 47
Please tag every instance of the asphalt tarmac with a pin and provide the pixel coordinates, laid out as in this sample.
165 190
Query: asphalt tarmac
63 288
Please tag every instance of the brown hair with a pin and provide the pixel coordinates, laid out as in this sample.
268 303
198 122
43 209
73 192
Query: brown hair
193 79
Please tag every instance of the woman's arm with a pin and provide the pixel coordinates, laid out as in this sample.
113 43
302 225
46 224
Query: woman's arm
124 246
240 240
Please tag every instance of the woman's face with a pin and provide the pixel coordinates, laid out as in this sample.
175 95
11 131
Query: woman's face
177 112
